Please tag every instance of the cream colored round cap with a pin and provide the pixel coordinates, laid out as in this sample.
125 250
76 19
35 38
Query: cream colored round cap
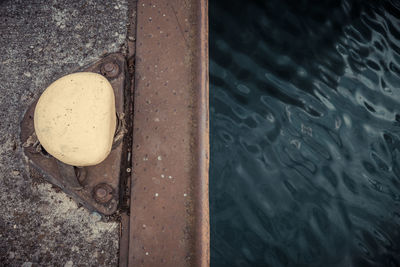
75 119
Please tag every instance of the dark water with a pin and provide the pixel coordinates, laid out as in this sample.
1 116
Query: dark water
305 133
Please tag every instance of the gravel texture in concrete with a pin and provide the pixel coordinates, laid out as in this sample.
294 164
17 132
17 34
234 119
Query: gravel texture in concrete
39 42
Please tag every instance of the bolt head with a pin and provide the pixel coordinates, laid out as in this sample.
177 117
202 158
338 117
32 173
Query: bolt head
110 69
103 193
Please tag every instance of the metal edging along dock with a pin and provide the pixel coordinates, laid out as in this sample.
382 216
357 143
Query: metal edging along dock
169 214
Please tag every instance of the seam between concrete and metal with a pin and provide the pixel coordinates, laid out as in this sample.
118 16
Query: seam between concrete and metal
130 58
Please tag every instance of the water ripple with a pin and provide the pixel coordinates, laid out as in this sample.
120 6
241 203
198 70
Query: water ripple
305 133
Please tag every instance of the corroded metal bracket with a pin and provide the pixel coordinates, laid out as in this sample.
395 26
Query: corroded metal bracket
95 187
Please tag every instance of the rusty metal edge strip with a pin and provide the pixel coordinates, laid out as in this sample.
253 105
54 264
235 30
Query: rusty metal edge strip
199 236
202 213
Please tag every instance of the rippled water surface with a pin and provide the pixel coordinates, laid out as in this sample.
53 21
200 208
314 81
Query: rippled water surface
305 133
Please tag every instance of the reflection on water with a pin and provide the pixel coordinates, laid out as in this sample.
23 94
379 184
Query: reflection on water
305 133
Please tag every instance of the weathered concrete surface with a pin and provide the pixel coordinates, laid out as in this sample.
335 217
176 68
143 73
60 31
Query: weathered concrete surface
39 42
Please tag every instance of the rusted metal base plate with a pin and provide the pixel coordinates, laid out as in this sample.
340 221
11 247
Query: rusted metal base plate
169 223
105 173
